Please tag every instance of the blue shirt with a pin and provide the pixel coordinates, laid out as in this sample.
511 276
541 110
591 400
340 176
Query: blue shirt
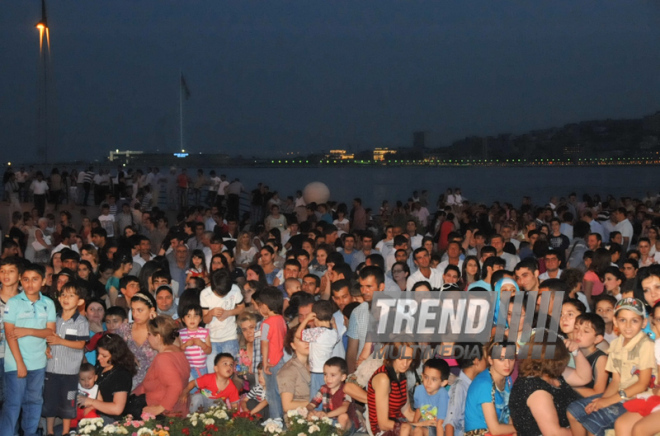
482 391
432 407
21 312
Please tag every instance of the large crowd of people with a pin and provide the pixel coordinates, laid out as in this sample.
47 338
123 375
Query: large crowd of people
132 308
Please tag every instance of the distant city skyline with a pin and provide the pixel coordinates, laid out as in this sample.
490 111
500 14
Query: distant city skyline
312 76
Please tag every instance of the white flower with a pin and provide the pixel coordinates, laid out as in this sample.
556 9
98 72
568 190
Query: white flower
291 413
144 431
314 418
326 420
208 421
273 427
193 422
221 414
314 428
109 428
301 421
302 434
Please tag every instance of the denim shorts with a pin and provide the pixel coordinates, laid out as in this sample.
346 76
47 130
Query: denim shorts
599 421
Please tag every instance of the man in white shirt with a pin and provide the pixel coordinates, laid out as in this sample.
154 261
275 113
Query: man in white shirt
497 242
69 240
552 270
624 226
39 189
222 191
415 238
424 271
453 258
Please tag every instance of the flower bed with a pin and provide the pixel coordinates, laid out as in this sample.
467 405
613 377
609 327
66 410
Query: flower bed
217 421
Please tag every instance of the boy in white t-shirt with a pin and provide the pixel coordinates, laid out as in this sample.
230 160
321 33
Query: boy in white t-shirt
322 339
221 303
107 220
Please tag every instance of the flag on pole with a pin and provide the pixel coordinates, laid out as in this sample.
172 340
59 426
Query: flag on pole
184 87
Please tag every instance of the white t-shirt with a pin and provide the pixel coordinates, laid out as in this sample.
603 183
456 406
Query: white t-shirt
322 341
108 223
626 230
435 279
221 187
39 188
221 331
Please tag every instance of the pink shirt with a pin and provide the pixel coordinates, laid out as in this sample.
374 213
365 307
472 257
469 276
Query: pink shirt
598 287
195 355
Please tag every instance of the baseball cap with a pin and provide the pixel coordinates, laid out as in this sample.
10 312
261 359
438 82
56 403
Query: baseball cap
632 304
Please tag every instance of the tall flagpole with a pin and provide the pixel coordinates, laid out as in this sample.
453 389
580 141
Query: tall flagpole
181 111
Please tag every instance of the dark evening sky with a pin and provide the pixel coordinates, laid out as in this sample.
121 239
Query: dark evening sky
277 76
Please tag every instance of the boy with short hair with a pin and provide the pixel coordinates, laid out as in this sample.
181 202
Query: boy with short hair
115 316
631 362
273 332
128 286
604 307
431 398
214 386
454 423
10 273
321 338
589 329
29 318
66 348
334 403
257 394
291 286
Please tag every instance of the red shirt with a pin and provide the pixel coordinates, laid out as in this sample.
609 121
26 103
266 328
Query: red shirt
209 384
275 328
182 180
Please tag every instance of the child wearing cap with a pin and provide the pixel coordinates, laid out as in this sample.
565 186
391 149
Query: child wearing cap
631 362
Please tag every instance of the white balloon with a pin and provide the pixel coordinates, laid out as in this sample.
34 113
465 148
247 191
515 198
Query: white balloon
316 192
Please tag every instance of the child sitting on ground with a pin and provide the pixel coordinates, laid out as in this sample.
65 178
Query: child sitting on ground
431 398
334 402
256 395
632 365
214 386
589 329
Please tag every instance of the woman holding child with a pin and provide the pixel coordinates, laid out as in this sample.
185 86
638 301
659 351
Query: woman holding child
118 367
168 373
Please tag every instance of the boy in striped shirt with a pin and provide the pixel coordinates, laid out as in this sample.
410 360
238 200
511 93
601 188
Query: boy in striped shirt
195 341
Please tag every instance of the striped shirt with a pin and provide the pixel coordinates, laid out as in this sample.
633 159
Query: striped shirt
257 393
67 360
195 355
89 177
397 399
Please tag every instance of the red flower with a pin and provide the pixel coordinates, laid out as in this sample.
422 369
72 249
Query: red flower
185 431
